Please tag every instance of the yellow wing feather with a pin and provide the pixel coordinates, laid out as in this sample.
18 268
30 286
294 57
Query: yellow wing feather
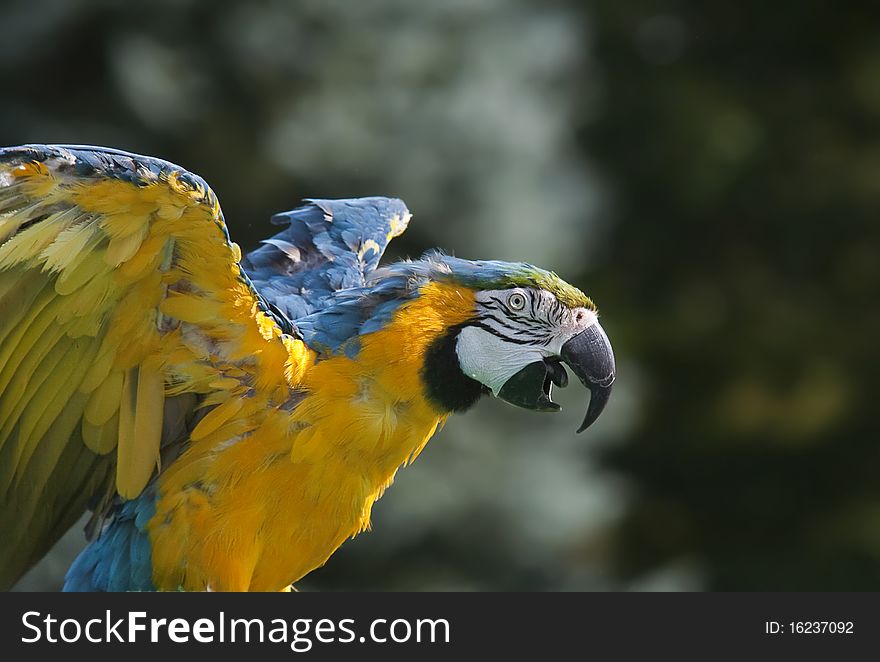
119 289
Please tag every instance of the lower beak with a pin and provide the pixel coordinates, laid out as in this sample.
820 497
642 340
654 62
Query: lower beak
530 387
590 357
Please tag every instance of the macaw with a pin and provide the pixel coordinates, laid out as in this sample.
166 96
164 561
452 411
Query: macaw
228 421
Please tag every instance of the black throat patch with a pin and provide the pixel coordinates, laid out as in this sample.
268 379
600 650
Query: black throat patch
445 383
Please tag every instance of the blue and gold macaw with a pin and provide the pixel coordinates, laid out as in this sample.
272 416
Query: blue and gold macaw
230 422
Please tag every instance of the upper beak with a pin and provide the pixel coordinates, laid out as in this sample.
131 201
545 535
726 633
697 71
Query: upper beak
590 357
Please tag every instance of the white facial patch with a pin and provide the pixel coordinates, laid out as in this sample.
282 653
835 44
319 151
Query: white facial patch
491 360
505 340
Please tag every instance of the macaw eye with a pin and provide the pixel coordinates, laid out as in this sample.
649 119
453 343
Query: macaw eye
516 301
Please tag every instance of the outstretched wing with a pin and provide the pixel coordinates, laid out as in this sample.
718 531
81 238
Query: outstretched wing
329 245
122 307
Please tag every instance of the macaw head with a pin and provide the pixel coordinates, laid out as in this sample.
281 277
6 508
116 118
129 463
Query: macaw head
502 328
526 324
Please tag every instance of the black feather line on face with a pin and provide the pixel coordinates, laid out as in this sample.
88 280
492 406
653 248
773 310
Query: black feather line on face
504 323
520 323
515 341
526 328
555 311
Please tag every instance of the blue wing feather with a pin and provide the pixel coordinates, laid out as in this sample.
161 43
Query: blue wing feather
327 246
121 558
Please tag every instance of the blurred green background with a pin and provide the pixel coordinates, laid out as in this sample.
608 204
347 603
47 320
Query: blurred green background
708 172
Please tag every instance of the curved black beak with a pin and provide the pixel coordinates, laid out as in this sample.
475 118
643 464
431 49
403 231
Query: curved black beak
590 357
